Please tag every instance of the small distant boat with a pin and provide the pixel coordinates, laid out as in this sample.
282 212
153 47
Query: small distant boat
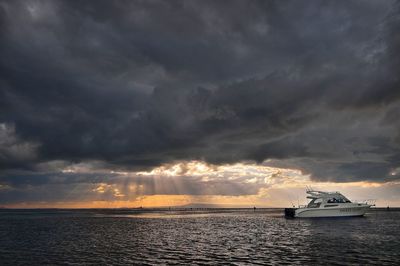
328 204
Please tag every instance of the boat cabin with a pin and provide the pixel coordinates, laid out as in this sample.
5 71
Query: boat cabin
325 199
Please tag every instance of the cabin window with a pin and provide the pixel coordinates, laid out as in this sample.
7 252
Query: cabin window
338 200
327 206
315 203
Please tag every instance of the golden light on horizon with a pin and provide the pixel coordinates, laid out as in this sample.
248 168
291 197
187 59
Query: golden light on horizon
255 184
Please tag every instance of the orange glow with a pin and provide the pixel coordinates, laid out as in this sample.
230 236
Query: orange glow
274 187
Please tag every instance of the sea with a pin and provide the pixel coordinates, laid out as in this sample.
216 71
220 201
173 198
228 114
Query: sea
195 237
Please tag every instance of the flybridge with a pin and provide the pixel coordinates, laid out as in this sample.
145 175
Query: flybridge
334 196
316 194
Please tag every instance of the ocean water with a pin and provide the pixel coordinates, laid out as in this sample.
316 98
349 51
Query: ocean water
219 236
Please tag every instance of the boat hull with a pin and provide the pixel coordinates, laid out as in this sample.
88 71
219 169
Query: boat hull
331 212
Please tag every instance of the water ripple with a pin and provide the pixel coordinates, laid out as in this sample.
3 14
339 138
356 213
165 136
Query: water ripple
235 237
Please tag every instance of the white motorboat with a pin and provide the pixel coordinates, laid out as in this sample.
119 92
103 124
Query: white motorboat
328 204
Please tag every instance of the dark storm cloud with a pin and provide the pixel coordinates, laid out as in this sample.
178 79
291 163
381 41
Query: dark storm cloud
135 84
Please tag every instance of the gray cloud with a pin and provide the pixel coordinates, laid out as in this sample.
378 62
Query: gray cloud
106 185
135 84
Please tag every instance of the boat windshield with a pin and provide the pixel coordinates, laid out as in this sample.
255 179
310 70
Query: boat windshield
315 203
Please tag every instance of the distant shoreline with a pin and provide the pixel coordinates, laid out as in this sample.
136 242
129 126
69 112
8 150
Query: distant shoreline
172 209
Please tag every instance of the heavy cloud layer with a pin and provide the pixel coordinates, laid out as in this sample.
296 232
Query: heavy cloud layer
135 84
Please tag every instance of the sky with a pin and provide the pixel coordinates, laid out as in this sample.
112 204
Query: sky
171 103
